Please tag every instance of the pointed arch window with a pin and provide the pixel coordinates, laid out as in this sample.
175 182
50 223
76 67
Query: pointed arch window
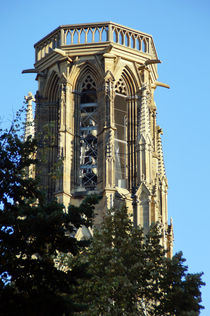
120 109
125 113
88 135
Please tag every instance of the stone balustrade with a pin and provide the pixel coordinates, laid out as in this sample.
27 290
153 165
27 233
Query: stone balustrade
83 34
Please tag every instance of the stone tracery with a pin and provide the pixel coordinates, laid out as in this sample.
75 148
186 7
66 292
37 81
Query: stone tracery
88 134
108 110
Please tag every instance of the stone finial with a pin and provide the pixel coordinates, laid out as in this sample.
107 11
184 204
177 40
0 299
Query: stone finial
29 98
161 165
29 124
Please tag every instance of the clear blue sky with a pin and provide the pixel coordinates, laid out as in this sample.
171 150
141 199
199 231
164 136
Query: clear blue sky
180 29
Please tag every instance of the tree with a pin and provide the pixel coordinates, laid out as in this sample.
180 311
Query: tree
122 271
33 233
129 273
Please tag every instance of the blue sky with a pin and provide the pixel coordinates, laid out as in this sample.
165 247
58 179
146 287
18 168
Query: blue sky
180 30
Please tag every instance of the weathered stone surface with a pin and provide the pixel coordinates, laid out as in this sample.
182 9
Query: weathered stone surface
96 85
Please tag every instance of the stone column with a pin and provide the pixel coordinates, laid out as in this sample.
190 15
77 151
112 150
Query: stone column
42 134
109 131
144 154
65 143
29 127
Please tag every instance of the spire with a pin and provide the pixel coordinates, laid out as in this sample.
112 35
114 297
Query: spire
144 123
29 124
170 238
161 165
144 149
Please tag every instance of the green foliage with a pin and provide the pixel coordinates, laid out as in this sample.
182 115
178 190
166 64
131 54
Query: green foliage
129 273
33 234
45 270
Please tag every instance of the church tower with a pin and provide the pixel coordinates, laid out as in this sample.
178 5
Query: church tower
96 86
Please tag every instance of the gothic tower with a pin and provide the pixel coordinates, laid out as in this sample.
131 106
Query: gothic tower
96 86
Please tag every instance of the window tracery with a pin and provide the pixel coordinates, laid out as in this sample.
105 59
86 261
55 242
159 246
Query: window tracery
120 87
88 134
120 108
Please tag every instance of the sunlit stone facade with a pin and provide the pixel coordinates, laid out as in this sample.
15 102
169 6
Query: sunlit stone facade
96 86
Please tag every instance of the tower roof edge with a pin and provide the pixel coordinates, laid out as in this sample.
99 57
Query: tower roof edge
89 25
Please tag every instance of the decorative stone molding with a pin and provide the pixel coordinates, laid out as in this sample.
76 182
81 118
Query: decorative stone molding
98 87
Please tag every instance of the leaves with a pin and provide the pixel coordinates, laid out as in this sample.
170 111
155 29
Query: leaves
45 270
34 232
129 273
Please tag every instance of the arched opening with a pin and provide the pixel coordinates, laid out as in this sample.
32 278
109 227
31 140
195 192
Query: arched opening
121 38
88 123
133 42
97 36
47 133
121 117
144 46
127 40
125 113
115 36
138 44
89 36
76 37
82 37
68 38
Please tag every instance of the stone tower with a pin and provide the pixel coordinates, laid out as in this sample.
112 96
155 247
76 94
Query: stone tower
96 86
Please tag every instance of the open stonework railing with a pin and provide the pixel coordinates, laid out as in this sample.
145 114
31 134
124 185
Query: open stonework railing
78 34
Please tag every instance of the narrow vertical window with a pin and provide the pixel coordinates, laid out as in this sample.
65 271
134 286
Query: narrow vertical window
88 135
120 108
